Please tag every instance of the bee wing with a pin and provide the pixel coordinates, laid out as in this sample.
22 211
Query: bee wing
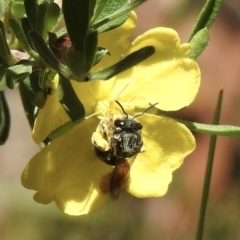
120 176
119 179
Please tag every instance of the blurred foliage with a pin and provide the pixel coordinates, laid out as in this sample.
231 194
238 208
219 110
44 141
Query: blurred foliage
127 219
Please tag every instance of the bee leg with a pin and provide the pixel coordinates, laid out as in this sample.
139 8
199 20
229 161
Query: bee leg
99 142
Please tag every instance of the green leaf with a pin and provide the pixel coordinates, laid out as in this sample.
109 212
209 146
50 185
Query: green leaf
47 54
17 9
69 100
51 18
91 48
75 62
104 10
31 7
52 38
41 98
61 32
206 16
27 98
20 35
27 28
4 49
92 8
16 73
220 130
99 7
48 15
32 83
63 129
77 14
3 68
10 82
41 17
4 119
126 63
19 71
115 13
198 43
101 52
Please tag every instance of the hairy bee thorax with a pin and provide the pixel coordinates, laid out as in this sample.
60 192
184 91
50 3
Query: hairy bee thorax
117 136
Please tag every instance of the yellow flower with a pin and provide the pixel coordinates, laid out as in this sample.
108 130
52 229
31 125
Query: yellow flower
68 172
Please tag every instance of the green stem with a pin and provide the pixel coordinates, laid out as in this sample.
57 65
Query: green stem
208 173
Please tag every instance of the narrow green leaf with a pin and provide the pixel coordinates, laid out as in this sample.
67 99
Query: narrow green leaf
115 14
69 100
101 52
47 54
41 98
104 10
27 98
19 71
75 62
126 63
63 129
3 68
41 17
221 130
208 172
92 8
199 42
77 16
51 17
61 32
27 28
91 48
99 7
20 35
32 83
10 82
4 119
206 16
31 7
4 49
52 38
47 18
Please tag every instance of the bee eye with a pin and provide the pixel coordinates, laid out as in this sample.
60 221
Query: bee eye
138 126
119 123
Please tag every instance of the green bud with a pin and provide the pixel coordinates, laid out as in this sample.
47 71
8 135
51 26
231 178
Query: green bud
199 42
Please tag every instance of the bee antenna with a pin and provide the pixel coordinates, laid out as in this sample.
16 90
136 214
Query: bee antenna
152 105
121 108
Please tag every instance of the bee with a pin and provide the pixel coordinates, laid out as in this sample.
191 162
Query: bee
120 145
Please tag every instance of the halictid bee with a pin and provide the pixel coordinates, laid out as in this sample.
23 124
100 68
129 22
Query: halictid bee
115 142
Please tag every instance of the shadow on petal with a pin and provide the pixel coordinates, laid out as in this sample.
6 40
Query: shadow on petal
168 76
166 143
68 172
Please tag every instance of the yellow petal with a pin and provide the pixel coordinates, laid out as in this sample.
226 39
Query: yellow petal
116 40
166 143
53 115
168 76
101 89
68 172
117 43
